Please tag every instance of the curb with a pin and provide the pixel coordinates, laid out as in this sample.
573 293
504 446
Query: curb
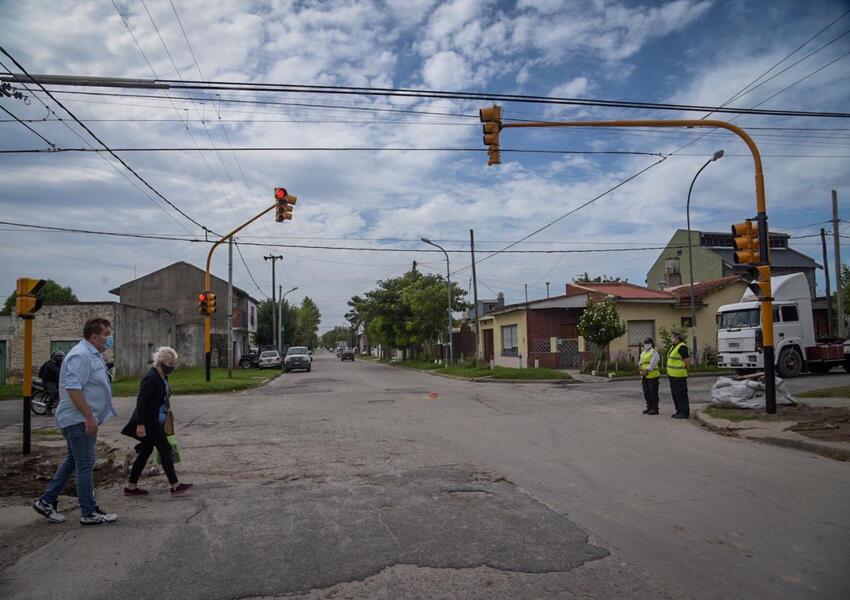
714 425
664 376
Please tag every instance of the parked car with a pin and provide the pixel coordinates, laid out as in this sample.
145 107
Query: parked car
269 359
298 357
347 354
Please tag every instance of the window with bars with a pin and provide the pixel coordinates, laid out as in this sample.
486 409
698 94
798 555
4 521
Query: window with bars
639 331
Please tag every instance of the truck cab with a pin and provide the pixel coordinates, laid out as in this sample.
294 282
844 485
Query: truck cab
739 334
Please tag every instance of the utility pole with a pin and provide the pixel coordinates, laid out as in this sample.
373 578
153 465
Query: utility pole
474 291
230 308
274 258
547 290
280 319
826 277
526 293
836 241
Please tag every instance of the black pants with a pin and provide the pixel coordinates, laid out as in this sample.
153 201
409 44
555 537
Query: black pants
679 390
650 392
153 438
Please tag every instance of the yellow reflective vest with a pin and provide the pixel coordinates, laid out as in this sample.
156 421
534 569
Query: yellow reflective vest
675 363
645 359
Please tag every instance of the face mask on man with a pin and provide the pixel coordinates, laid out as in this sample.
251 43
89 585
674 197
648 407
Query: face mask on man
110 342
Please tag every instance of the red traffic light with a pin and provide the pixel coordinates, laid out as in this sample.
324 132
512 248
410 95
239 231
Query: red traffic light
202 297
279 193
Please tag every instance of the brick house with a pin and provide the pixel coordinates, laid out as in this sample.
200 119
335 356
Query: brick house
175 288
138 332
545 333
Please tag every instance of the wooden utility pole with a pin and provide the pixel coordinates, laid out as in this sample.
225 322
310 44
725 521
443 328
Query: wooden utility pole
474 291
826 277
836 241
275 333
230 308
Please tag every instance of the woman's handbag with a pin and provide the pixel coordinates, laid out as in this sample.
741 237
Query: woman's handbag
168 425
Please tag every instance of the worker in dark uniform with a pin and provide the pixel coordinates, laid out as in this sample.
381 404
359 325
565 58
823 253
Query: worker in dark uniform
678 361
650 373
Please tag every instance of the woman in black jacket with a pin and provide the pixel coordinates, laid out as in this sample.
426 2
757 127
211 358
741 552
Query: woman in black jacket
146 424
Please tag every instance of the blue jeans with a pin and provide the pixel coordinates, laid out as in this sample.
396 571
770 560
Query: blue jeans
82 449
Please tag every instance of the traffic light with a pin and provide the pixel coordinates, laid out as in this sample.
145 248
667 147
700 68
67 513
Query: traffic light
202 303
760 286
26 303
285 202
210 303
491 119
746 242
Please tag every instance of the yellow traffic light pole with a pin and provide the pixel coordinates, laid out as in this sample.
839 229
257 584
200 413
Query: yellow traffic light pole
26 305
764 246
208 318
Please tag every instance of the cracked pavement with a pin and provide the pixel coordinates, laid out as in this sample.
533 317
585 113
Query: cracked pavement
356 481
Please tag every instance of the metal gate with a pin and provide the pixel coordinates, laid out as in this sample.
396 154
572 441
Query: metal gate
567 353
2 362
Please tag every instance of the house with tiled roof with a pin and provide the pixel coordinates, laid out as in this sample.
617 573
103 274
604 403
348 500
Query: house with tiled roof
545 332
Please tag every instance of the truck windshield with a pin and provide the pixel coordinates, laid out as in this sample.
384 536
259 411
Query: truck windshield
748 317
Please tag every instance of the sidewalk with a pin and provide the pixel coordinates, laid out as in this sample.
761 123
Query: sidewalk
779 433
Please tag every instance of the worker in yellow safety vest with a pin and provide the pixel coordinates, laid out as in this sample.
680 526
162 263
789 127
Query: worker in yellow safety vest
678 361
650 373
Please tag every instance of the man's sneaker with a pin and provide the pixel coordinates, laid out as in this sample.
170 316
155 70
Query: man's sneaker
181 489
98 517
135 492
47 511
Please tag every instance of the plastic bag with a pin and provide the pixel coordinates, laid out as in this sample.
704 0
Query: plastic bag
175 451
748 393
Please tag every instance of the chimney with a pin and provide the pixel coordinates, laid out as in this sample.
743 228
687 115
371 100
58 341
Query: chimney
672 272
500 299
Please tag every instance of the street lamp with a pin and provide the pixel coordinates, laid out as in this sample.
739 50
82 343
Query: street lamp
449 292
280 316
717 156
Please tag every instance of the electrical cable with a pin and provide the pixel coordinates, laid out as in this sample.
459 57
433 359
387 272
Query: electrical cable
44 139
102 143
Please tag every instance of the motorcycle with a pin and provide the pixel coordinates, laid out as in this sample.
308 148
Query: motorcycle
41 403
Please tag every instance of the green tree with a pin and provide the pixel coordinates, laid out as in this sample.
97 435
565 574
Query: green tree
265 327
600 324
405 312
50 293
307 324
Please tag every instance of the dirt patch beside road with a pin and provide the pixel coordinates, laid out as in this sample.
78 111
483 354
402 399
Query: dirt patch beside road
827 423
28 475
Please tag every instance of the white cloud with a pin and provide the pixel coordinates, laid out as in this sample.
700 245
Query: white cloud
571 89
446 70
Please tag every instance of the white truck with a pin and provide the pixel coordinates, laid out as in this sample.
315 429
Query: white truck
739 336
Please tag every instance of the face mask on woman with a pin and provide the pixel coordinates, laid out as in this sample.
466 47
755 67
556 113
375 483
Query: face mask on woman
167 369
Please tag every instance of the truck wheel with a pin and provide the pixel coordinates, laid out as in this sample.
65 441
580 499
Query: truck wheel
790 363
245 363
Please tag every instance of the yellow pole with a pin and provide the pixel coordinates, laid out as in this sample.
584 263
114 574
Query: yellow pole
207 283
27 383
764 242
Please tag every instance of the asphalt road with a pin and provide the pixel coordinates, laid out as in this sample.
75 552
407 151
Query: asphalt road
360 480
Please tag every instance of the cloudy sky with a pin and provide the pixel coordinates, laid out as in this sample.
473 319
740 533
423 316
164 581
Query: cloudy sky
695 52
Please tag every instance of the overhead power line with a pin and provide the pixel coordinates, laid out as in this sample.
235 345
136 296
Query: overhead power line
172 84
102 143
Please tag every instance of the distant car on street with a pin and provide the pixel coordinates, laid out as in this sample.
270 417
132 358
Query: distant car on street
269 359
347 354
298 357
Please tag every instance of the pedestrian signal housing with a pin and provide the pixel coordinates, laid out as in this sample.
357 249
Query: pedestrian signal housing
746 243
26 303
491 119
